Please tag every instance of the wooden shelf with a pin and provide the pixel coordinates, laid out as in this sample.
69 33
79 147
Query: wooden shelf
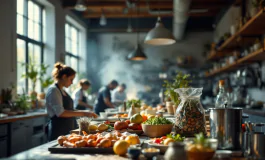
252 57
216 55
254 27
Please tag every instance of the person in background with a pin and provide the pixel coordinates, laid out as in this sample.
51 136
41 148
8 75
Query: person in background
59 105
104 97
80 96
119 95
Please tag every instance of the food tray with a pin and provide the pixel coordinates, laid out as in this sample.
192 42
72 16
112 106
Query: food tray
84 150
161 147
76 131
138 132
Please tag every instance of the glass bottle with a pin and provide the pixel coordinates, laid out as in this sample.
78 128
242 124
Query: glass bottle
222 97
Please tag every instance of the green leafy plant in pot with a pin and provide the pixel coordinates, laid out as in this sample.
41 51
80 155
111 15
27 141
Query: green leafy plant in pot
22 103
45 81
31 74
134 105
180 81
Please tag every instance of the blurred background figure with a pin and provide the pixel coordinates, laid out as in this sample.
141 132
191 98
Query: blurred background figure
119 95
80 96
104 97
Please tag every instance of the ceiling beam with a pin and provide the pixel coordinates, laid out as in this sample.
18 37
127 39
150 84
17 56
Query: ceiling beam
143 15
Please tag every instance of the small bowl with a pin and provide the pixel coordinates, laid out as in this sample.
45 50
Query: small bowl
157 130
149 153
196 151
134 152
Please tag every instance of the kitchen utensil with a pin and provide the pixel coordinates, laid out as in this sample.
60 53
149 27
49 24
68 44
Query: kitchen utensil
225 126
175 151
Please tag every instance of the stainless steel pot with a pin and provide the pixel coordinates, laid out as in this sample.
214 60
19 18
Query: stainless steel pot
257 145
225 125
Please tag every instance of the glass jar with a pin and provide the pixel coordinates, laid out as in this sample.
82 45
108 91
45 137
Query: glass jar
190 116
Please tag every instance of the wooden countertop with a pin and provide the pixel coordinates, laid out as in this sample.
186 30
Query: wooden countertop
28 115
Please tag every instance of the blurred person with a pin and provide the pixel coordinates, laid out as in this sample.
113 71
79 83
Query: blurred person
119 95
104 97
59 105
80 96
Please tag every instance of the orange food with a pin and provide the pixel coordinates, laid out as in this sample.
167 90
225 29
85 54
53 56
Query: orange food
144 117
132 139
84 133
99 139
68 144
91 143
80 143
120 147
61 139
104 143
74 139
91 136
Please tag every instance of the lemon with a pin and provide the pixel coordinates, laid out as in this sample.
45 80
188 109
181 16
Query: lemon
93 127
120 147
168 140
102 127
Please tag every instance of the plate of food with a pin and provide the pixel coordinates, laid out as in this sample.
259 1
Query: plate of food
163 142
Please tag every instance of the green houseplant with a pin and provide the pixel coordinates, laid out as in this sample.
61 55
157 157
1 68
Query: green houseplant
31 74
45 81
22 103
180 81
135 102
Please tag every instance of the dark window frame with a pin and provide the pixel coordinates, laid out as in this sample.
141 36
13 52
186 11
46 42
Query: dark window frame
28 40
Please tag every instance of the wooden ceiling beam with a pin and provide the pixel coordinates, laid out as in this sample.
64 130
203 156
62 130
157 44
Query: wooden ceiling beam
143 15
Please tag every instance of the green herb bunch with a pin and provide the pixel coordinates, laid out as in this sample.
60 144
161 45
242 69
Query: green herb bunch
157 121
22 102
135 102
180 81
45 82
176 137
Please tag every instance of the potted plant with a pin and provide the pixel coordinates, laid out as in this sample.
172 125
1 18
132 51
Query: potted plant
5 99
22 103
180 81
45 81
135 104
32 75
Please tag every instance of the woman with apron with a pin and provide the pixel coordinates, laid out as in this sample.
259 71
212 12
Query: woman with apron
80 96
59 104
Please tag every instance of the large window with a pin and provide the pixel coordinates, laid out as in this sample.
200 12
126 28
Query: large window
72 36
30 28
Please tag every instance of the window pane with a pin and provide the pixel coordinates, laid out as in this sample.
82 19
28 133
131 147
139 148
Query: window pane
74 63
37 11
68 45
74 34
20 7
66 30
30 10
21 54
36 31
20 24
74 49
30 29
44 25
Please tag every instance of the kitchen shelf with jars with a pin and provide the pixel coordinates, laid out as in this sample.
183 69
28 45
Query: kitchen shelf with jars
246 33
242 46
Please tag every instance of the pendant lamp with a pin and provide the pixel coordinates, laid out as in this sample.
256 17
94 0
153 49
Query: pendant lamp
80 5
159 35
102 20
137 54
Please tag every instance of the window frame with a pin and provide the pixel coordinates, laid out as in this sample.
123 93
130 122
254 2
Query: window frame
72 55
25 37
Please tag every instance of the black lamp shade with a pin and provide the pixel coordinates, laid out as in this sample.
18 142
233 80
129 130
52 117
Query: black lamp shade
137 54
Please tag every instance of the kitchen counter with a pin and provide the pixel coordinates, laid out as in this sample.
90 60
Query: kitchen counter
256 112
41 152
28 115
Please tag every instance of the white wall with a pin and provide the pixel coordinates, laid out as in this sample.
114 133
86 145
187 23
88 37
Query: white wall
55 37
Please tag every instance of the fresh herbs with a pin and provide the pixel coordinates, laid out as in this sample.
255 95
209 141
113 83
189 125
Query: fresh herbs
176 137
157 121
200 139
135 102
180 81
